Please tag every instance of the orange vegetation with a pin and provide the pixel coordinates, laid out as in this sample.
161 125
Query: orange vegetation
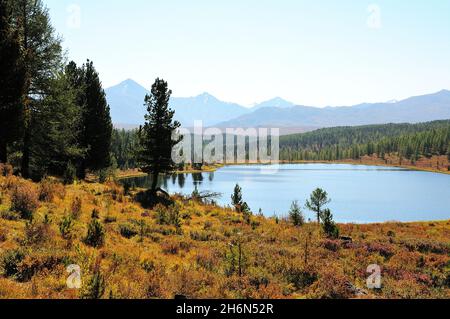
200 250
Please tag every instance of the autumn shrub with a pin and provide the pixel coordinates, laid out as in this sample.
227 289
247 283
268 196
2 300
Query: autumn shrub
300 277
128 230
7 214
154 287
95 236
49 189
117 192
170 247
110 219
384 250
148 265
173 247
203 235
6 170
332 245
330 284
24 199
37 232
426 246
76 208
207 260
259 277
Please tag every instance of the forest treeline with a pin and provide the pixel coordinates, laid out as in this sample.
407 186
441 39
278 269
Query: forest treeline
409 141
54 118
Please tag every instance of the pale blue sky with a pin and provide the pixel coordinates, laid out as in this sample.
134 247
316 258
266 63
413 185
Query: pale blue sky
321 52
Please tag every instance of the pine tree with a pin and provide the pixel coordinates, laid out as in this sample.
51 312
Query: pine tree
41 56
296 215
56 130
12 83
96 121
238 202
328 225
155 137
318 199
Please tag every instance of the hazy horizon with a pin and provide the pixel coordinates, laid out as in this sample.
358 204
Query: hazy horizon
279 97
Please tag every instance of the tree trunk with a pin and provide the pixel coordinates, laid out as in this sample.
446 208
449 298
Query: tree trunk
25 165
155 176
25 169
3 152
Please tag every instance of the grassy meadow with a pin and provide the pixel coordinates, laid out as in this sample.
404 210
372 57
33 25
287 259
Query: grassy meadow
198 250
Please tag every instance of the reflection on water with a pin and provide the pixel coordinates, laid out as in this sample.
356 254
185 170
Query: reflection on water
167 181
359 193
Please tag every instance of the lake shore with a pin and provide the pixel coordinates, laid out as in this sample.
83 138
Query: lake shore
144 255
428 165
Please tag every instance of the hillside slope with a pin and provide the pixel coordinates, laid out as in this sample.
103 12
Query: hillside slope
192 249
413 110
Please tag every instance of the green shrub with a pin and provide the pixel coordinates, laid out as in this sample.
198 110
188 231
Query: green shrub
168 215
66 227
103 175
328 225
70 174
21 266
300 277
128 230
95 214
10 262
95 287
95 235
296 215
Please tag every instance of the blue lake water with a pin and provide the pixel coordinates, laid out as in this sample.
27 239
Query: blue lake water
360 194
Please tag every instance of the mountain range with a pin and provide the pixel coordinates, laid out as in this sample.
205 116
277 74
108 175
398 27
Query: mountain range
126 101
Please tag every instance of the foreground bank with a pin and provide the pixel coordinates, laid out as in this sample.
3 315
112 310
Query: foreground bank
200 250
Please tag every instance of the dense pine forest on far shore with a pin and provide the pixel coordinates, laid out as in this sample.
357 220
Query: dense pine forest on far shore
407 142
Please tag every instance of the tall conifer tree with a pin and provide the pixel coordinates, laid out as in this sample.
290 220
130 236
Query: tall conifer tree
156 143
97 124
12 82
41 55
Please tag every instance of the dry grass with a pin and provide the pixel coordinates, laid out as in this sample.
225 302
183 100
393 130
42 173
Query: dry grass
196 252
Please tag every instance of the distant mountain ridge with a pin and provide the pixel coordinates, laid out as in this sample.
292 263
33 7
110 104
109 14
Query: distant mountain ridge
127 110
417 109
126 101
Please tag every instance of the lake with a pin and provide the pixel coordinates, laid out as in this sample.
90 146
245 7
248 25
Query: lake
360 194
